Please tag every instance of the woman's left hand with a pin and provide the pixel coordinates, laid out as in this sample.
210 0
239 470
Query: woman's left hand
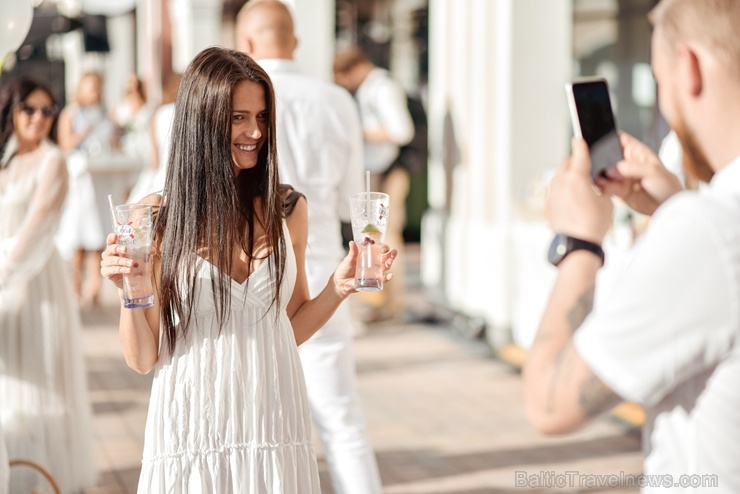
344 275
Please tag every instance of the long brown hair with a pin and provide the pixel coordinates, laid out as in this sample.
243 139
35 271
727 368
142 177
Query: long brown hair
205 206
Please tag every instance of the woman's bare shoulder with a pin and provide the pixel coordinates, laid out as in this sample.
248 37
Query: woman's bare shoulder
154 200
297 222
290 198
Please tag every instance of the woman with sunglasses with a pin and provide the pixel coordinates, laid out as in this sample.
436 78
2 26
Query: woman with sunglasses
44 407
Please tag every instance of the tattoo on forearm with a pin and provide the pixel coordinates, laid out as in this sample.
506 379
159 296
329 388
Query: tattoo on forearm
561 371
595 397
583 307
563 362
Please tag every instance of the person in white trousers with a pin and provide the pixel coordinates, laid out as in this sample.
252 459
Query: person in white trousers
319 141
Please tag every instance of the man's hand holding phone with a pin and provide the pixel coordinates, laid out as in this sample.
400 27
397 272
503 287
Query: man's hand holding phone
574 205
640 179
590 106
620 165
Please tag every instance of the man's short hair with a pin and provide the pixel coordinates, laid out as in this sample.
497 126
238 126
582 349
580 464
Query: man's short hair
712 23
348 59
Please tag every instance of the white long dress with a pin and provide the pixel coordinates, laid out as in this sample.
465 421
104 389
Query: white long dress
45 413
4 466
86 217
228 412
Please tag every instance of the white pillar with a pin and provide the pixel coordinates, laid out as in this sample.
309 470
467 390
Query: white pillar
499 69
196 24
149 46
119 62
404 54
314 26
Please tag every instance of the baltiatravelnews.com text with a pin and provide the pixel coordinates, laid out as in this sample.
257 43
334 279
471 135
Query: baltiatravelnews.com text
570 479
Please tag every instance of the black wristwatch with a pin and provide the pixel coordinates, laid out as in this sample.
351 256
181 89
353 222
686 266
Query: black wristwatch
562 245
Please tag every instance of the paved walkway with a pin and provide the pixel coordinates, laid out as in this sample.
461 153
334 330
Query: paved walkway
443 416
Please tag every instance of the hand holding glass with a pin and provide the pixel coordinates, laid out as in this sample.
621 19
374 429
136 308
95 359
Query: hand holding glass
133 227
369 215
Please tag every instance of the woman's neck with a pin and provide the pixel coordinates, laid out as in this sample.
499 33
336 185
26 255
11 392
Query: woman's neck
25 147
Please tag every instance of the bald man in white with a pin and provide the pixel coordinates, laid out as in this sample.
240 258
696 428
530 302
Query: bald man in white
319 140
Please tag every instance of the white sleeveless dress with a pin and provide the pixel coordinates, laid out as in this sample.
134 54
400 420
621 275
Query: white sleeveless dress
228 411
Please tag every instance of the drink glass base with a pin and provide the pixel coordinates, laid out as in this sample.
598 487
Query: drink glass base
368 285
139 303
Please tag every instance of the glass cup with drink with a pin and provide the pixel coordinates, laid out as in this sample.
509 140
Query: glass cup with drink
133 226
369 215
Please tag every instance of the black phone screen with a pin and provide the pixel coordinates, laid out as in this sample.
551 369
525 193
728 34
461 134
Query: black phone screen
597 124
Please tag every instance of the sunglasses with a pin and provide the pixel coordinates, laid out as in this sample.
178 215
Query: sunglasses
46 111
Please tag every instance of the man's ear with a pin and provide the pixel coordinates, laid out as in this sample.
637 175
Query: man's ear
295 44
243 43
691 70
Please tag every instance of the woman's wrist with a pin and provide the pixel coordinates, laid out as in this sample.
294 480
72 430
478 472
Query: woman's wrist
340 289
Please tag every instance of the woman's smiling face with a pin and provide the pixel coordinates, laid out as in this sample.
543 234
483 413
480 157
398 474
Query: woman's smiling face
249 122
33 117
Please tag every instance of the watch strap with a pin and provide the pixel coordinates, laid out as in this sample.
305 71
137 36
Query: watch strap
580 244
562 245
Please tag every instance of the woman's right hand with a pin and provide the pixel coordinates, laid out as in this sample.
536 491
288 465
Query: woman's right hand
114 264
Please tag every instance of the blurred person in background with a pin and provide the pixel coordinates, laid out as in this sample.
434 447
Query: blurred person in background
131 116
87 135
668 337
4 465
44 407
319 142
387 125
151 179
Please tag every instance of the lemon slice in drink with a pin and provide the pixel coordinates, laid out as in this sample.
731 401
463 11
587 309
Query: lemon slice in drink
372 231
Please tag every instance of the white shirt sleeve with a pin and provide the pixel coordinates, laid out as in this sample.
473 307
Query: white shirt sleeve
671 314
393 113
24 255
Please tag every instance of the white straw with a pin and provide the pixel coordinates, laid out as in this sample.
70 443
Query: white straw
112 210
367 195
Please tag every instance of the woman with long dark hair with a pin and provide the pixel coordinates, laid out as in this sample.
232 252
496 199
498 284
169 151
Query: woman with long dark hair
228 411
44 407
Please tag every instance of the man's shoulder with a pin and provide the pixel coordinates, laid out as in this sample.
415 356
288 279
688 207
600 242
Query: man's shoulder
306 88
705 204
713 217
305 82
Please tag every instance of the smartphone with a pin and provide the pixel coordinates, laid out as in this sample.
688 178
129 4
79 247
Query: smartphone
593 120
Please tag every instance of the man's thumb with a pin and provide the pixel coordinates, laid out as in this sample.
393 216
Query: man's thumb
581 159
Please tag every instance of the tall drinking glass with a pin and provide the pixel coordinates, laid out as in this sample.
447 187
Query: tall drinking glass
133 227
369 215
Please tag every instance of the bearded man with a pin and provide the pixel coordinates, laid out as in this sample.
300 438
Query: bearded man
668 337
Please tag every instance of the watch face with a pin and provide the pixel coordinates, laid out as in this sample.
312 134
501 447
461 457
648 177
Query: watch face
562 245
558 249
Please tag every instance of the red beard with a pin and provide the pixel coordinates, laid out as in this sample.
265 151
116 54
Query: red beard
695 162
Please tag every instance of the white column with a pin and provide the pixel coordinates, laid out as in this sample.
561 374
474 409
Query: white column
404 61
314 25
119 63
149 46
540 65
196 24
499 68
